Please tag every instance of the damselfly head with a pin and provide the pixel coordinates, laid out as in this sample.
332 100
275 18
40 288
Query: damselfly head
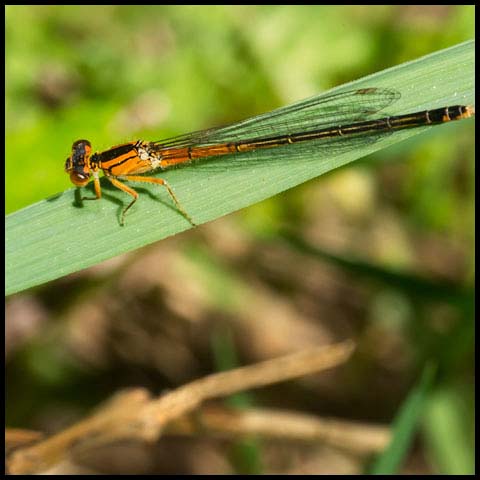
77 164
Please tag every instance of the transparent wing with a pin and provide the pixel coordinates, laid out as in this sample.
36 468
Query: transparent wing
312 114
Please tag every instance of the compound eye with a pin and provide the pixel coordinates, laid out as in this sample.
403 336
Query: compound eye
82 144
81 151
79 179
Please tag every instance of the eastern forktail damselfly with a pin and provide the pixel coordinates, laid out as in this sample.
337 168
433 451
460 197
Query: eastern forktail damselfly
302 127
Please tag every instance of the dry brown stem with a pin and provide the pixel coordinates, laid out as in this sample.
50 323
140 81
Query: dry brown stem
355 437
134 415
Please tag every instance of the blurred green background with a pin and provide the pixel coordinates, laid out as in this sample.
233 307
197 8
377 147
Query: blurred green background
392 263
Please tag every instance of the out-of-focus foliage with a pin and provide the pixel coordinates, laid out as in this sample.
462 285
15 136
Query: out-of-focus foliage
114 73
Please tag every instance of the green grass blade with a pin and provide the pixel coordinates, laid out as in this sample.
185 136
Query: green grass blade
245 453
57 236
448 428
409 283
405 425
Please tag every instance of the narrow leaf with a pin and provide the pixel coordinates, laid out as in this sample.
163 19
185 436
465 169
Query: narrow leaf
61 234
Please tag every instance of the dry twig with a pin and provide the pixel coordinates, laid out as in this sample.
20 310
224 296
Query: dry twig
133 415
354 437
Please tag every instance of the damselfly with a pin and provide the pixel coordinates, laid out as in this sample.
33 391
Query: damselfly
307 125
